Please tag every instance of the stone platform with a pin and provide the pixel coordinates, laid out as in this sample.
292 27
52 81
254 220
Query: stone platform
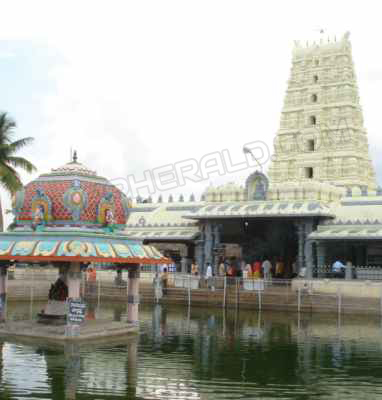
90 330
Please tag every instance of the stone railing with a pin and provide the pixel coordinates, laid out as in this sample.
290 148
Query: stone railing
362 272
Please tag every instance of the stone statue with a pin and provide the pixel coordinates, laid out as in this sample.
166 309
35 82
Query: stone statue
109 217
58 291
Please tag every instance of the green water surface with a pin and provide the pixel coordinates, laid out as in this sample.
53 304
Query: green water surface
202 354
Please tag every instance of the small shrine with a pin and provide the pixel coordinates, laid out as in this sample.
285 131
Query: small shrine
71 218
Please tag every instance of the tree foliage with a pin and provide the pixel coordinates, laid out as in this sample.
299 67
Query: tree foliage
9 161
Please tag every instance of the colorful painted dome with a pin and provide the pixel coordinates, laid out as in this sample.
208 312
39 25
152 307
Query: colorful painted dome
71 196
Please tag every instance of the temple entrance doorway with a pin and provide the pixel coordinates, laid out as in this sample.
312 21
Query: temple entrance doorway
260 238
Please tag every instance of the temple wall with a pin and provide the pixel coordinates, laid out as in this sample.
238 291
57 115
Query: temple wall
357 289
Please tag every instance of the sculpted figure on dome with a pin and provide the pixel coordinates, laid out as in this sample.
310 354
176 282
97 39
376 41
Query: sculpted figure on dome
109 217
38 217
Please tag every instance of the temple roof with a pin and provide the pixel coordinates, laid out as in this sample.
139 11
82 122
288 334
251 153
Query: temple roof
262 209
71 195
76 246
355 218
71 214
162 221
356 232
167 234
72 168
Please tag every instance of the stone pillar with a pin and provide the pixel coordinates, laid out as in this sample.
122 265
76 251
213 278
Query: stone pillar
199 253
74 281
217 241
118 279
360 256
321 256
301 242
208 246
3 290
308 250
349 271
133 295
183 265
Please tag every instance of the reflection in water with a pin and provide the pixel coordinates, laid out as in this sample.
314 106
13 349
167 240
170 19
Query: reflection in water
203 354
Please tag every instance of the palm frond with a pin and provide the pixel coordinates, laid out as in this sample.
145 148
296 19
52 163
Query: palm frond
10 179
7 126
19 144
20 162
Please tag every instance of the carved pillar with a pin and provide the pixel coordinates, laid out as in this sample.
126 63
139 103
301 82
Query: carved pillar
74 280
308 250
208 246
133 295
217 242
3 290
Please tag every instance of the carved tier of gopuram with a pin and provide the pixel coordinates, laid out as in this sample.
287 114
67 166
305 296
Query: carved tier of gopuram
322 135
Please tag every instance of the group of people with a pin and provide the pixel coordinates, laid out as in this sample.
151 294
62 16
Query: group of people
258 269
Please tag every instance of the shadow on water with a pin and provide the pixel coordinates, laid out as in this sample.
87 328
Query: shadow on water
201 354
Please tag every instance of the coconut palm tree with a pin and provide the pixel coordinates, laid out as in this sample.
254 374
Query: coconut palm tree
9 177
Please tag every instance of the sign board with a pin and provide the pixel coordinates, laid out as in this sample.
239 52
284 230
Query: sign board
77 310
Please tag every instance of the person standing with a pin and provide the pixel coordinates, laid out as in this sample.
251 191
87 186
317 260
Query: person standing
221 268
195 269
247 272
209 276
338 269
256 270
279 268
267 267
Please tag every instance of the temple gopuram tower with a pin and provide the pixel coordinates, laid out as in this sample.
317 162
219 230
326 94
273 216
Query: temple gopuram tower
322 140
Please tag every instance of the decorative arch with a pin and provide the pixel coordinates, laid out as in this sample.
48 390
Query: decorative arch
256 186
105 205
75 200
41 201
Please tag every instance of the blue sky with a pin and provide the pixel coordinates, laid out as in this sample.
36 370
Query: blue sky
137 85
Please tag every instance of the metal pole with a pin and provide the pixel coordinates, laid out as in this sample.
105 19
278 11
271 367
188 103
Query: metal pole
83 284
6 295
99 292
189 290
339 302
381 303
237 293
225 292
31 296
259 296
299 300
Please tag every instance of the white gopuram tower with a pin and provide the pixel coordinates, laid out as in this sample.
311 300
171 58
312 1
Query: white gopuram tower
322 141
